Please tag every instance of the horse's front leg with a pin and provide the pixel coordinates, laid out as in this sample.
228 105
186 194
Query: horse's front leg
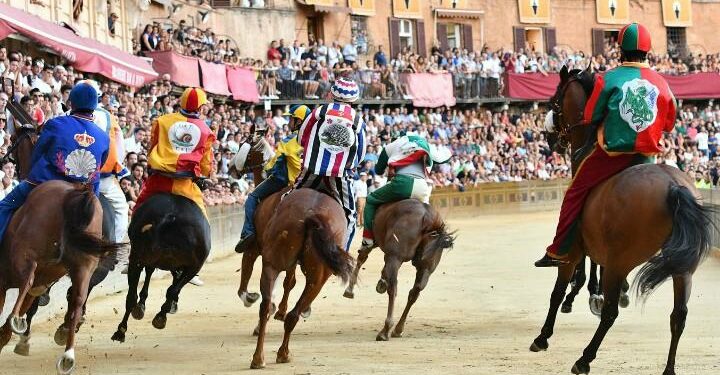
563 279
362 257
578 281
288 285
248 261
388 283
80 277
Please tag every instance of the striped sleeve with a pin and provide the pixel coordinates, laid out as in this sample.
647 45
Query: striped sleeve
307 127
362 145
596 105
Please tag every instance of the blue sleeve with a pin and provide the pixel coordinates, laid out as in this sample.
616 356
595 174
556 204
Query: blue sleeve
362 145
44 141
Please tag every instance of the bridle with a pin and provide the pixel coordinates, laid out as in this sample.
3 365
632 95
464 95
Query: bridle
24 131
556 101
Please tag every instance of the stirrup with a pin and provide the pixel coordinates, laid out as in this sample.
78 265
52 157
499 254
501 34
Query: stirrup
547 261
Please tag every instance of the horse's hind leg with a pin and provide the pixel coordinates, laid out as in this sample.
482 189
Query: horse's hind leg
5 333
563 279
26 273
421 279
173 295
248 261
138 311
362 257
682 284
611 291
133 274
578 281
23 346
80 277
288 285
316 278
267 280
388 283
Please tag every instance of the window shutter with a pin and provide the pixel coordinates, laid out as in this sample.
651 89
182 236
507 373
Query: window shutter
420 36
519 37
550 39
598 40
467 37
394 37
442 36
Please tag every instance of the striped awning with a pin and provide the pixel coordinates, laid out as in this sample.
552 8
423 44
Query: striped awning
459 13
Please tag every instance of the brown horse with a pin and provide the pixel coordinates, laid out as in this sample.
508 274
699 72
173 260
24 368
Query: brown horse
408 230
45 241
313 236
624 223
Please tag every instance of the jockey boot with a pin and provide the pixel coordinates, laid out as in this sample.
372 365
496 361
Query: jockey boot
367 244
547 261
244 243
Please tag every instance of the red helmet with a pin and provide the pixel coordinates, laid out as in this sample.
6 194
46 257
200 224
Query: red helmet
635 37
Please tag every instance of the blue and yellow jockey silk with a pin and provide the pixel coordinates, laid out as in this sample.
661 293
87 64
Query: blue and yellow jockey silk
70 148
286 163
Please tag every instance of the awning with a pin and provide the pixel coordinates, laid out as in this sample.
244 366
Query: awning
459 13
324 6
85 54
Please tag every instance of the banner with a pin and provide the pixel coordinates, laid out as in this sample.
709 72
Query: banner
407 9
214 78
431 90
614 12
243 85
535 86
534 11
677 13
183 70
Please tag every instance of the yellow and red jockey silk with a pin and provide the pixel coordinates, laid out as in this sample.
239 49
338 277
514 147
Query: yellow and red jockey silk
181 146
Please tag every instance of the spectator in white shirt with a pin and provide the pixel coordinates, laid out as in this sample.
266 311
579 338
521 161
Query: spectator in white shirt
134 143
361 192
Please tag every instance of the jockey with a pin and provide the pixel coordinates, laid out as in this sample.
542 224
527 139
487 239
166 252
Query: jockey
634 106
333 137
180 151
113 170
282 171
70 148
410 156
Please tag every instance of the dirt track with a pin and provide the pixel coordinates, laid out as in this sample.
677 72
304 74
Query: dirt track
478 315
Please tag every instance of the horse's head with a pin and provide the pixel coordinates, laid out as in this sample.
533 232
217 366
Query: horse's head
20 151
251 156
566 108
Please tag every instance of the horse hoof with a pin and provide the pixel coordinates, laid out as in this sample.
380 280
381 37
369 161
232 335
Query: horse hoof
61 335
381 286
249 298
382 337
173 308
349 294
539 346
118 336
66 363
306 314
43 300
257 365
159 321
283 358
138 313
596 304
256 331
23 347
279 316
566 309
580 368
624 300
18 325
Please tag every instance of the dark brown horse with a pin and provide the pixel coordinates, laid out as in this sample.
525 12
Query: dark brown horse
406 231
44 241
625 222
313 236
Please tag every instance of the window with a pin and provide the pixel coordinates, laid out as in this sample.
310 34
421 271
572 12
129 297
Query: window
611 36
534 40
359 34
406 34
676 42
454 39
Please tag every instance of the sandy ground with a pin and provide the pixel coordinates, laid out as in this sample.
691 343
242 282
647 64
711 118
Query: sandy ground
478 315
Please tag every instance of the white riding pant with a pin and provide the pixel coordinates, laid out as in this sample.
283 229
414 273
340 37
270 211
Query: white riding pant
110 189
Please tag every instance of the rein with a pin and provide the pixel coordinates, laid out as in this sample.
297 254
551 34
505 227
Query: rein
24 134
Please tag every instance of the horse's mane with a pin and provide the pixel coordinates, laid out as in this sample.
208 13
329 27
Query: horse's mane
586 79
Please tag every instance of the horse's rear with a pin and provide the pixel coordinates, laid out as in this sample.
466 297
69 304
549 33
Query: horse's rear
168 232
44 241
308 227
407 230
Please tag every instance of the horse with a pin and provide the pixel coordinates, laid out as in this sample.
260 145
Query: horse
594 289
406 231
251 158
45 241
168 232
312 236
105 266
646 214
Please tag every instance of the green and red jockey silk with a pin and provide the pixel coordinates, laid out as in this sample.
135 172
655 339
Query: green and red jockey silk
635 104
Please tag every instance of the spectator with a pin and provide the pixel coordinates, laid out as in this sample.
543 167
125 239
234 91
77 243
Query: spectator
360 187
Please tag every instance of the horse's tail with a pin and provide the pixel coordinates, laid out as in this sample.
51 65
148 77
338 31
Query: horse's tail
435 233
335 257
687 246
78 211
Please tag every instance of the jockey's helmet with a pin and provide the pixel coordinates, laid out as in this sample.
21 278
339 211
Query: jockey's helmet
634 37
298 111
192 99
83 97
345 90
